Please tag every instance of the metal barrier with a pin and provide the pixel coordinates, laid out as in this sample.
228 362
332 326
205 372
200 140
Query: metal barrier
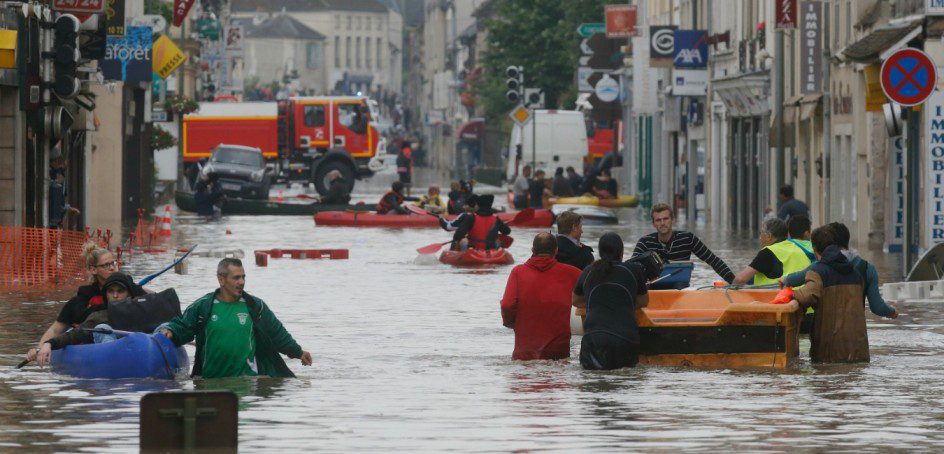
262 257
915 292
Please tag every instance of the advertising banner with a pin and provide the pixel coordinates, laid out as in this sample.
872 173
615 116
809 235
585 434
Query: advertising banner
934 171
167 57
690 49
895 220
128 57
811 47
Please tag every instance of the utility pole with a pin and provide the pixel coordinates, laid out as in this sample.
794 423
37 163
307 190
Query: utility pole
779 155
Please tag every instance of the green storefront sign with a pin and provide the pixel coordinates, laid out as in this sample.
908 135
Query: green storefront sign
208 29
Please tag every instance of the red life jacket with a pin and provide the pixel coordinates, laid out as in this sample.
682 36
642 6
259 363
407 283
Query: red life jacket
480 229
385 206
95 301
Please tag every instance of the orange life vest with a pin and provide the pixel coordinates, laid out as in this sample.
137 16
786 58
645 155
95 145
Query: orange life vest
383 206
480 229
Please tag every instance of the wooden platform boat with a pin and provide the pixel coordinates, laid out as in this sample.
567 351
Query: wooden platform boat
185 202
716 328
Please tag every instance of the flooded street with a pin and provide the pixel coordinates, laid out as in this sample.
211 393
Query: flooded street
411 355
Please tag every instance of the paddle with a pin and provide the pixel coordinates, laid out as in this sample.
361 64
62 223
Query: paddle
522 216
417 210
25 362
666 276
151 277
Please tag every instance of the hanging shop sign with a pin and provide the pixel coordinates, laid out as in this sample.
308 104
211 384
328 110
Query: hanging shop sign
786 14
895 232
115 18
934 169
620 21
79 6
811 47
208 28
167 57
181 8
934 8
690 49
690 82
128 57
661 45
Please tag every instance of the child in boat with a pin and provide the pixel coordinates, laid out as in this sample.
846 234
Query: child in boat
117 287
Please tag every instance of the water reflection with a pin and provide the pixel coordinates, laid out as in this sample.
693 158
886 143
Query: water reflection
410 354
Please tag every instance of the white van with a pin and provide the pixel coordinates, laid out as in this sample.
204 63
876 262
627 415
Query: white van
561 142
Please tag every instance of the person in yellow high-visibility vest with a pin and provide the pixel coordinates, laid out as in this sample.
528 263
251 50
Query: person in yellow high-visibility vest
779 256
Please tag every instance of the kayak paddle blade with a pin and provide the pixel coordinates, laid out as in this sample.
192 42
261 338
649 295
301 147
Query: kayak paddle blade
432 248
505 241
523 216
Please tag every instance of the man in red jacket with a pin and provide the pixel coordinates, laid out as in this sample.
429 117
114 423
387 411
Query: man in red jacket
537 303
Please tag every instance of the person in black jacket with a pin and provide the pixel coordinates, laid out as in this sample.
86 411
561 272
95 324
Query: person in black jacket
569 248
338 194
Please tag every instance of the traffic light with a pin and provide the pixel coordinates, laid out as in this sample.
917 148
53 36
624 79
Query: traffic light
515 82
66 58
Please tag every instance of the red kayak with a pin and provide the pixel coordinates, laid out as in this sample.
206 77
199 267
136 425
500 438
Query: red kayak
475 257
541 219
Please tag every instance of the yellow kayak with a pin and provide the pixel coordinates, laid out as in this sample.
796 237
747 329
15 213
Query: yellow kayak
622 201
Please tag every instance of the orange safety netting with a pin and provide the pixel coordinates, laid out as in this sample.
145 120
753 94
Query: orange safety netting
37 258
147 233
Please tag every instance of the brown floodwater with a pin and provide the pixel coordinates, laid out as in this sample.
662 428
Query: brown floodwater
410 354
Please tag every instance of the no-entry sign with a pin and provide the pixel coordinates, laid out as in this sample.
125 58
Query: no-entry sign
908 77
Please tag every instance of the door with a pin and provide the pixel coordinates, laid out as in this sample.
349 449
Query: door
311 129
351 125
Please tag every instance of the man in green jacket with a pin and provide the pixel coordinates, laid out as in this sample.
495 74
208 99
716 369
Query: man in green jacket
236 333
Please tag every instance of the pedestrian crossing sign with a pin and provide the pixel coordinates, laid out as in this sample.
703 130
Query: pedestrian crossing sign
521 115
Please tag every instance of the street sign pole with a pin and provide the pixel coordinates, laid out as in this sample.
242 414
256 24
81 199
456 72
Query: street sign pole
911 153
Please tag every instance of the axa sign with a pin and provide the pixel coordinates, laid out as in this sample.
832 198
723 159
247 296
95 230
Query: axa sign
691 49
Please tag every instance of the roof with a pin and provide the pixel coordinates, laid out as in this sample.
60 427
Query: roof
366 6
871 47
283 26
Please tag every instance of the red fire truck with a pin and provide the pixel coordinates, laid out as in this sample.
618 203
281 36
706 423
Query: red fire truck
305 138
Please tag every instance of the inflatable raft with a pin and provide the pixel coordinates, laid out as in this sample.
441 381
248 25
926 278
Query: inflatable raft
270 207
715 328
591 215
623 201
136 355
475 257
541 219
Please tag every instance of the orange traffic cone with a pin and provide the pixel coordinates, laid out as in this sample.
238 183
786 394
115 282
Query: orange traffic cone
165 223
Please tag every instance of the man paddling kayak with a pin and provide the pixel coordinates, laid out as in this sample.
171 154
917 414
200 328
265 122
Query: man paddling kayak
481 230
392 201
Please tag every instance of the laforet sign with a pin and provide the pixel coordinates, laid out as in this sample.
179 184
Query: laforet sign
128 57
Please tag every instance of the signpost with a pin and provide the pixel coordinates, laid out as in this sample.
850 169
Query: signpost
587 30
520 115
908 77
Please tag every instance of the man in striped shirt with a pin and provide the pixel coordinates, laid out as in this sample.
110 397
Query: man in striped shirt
678 246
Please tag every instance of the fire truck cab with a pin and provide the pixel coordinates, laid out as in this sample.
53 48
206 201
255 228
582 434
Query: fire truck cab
305 138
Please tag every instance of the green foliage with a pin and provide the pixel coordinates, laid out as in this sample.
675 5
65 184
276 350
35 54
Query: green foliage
161 139
181 105
540 35
161 7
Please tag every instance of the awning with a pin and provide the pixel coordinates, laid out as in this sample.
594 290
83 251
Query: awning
808 105
790 108
881 41
744 95
471 130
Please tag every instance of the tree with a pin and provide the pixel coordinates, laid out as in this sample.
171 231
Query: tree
540 35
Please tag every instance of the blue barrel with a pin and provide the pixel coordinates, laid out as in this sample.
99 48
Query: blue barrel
136 355
678 281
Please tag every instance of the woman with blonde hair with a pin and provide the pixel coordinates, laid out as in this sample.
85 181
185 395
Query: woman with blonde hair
100 263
